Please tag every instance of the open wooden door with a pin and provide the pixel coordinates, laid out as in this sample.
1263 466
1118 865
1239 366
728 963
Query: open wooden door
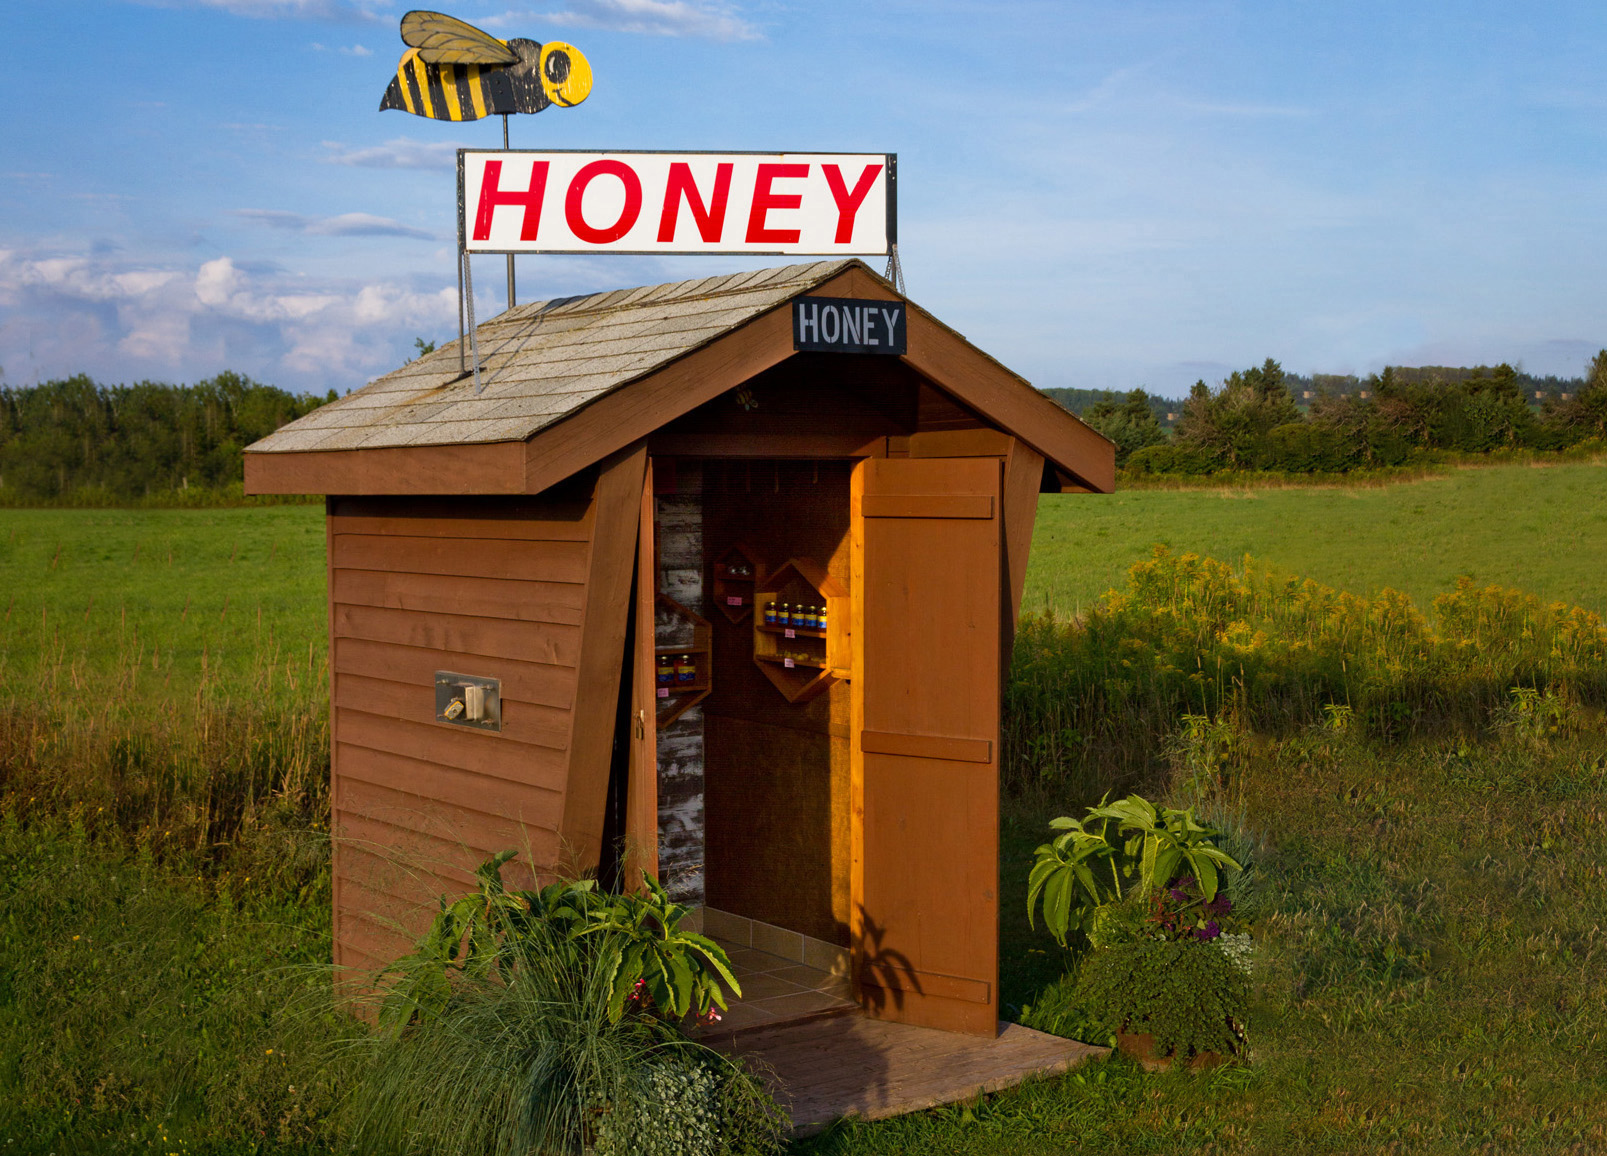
927 581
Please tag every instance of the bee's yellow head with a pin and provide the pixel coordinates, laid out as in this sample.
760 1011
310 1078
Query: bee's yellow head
565 74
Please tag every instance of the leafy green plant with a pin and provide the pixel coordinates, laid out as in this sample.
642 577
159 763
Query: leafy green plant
1164 841
529 1059
1084 870
547 1021
679 971
1533 715
1075 874
1190 996
650 962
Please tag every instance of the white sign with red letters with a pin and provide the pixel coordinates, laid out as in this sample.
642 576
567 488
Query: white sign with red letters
825 204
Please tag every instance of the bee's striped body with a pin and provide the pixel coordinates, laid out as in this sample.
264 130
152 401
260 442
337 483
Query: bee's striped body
461 91
556 73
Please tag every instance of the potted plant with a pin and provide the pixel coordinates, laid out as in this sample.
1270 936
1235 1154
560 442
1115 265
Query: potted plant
1171 976
1167 967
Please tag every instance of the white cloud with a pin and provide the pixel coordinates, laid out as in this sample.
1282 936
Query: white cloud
338 10
401 153
342 225
693 18
72 313
356 50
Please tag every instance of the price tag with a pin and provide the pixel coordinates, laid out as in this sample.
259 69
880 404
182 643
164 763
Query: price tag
733 600
663 692
787 662
791 633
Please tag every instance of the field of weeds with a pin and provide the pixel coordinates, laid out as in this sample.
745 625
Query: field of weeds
1541 529
1421 789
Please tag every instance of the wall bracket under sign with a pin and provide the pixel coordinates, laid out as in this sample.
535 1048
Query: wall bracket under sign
814 204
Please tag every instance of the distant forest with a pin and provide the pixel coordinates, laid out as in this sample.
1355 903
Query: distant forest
79 442
1265 419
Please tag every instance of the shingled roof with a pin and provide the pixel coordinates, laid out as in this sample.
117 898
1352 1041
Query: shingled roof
542 362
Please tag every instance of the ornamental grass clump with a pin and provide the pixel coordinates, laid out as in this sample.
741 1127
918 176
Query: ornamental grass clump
542 1022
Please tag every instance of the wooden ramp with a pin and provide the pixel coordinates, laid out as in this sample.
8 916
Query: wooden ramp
848 1065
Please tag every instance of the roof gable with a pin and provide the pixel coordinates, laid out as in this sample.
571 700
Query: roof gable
569 381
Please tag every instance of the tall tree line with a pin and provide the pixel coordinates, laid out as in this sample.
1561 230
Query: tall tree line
133 442
1253 420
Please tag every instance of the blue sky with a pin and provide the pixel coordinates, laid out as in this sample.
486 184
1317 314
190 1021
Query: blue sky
1100 195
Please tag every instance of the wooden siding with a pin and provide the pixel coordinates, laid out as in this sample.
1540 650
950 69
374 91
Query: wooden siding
498 588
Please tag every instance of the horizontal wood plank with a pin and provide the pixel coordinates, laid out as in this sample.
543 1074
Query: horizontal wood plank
471 828
491 468
515 600
524 722
400 852
957 443
798 445
467 750
376 866
927 506
368 946
954 750
569 529
468 557
547 643
532 804
531 682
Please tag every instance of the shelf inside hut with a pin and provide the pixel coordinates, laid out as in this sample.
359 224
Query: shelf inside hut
736 576
799 661
679 633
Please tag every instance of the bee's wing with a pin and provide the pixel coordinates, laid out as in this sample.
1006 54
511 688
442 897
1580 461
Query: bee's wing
443 39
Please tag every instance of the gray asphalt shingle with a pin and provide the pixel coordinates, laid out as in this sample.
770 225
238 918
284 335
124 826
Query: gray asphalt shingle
541 362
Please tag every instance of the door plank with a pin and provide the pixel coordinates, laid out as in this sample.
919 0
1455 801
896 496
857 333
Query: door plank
929 581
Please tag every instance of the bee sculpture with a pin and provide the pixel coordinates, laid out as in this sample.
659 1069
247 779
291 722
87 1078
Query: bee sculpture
454 71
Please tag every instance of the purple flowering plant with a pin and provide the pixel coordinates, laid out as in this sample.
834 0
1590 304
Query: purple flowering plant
1179 911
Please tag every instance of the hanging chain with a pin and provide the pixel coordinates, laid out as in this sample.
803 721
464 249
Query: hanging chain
474 340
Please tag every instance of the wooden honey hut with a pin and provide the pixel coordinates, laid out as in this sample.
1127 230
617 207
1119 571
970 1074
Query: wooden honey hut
669 592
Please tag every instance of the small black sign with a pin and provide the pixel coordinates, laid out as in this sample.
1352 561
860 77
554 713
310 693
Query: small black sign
848 325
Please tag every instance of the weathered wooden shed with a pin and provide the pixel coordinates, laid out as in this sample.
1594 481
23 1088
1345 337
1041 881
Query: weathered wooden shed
553 621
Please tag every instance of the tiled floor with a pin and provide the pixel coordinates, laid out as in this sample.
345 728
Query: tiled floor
777 990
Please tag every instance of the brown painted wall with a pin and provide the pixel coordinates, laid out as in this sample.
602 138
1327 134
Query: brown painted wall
485 586
776 773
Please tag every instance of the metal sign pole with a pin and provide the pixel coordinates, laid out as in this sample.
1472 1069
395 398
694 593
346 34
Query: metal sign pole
511 301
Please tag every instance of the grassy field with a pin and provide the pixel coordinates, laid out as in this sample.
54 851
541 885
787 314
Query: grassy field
1430 903
1541 529
161 594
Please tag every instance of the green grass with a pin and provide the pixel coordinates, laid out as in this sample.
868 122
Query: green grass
1431 906
1430 977
157 1008
162 596
1542 529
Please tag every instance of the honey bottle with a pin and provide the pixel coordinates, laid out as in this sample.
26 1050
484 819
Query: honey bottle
666 670
770 612
685 670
